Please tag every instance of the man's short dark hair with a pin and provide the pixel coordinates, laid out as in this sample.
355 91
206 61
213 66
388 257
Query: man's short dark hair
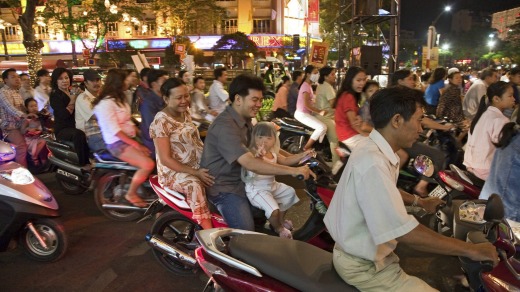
242 83
42 72
296 74
197 79
24 74
218 72
388 102
5 74
144 72
515 71
488 72
154 75
400 75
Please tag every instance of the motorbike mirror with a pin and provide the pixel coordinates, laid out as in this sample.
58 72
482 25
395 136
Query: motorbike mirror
494 209
424 165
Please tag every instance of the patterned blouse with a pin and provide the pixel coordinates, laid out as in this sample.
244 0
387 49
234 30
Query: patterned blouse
450 104
185 144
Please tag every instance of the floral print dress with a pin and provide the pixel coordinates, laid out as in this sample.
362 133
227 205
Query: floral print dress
186 148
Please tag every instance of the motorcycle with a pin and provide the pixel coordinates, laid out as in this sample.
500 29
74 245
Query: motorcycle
480 222
453 184
28 211
172 236
239 260
109 178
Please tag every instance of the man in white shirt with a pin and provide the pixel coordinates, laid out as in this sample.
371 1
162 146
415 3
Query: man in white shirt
218 96
42 91
199 103
377 220
26 90
92 82
477 91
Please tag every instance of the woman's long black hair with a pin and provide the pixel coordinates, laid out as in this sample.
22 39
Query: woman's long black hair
56 73
495 89
508 132
285 78
308 70
346 85
438 74
324 72
113 88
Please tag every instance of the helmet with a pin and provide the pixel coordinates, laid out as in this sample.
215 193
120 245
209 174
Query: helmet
7 152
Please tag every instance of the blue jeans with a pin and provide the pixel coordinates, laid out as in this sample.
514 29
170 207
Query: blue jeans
235 209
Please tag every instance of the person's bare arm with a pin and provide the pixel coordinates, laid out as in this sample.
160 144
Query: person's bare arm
293 159
259 166
424 239
431 124
308 103
356 122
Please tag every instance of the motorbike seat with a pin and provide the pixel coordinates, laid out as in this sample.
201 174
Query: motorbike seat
298 264
104 156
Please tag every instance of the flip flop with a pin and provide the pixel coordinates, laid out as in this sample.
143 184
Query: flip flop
136 202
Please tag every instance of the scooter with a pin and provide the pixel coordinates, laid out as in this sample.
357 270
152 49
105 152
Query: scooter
483 221
453 184
239 260
109 178
28 211
172 236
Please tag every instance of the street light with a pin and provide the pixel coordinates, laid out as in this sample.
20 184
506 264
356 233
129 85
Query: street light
432 36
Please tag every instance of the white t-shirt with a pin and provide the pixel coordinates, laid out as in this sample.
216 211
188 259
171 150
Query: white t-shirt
367 212
472 99
83 109
480 149
218 96
113 118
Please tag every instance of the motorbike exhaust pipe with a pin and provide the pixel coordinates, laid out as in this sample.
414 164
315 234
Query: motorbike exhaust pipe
122 207
159 243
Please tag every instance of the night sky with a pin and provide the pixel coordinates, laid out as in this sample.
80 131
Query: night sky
417 15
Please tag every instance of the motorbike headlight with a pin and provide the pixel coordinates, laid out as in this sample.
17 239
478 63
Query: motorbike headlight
19 176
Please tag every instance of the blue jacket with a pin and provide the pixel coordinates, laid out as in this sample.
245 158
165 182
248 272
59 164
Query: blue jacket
149 107
504 178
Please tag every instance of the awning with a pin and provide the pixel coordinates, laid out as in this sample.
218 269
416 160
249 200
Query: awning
22 66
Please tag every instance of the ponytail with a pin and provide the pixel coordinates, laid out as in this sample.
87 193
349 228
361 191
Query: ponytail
482 107
506 135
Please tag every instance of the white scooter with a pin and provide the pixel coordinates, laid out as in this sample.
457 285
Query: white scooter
27 211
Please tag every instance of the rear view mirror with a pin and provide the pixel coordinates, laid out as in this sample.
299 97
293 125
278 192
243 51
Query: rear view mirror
424 165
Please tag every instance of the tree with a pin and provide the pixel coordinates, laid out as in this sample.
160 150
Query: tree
89 21
236 46
33 45
175 17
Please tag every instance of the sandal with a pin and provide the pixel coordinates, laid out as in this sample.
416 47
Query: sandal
136 202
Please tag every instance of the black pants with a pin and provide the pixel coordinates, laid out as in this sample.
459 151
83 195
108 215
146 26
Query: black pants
78 138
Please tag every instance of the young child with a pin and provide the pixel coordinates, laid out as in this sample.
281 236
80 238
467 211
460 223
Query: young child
263 191
32 130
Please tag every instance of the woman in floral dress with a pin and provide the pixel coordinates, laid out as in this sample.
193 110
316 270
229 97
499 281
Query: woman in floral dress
179 149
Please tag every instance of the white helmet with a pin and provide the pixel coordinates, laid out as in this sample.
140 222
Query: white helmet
7 152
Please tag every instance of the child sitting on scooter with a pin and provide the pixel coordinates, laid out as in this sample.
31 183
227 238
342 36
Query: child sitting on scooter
32 130
263 191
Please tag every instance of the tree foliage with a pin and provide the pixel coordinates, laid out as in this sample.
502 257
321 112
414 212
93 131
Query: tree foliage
86 22
174 60
175 17
236 45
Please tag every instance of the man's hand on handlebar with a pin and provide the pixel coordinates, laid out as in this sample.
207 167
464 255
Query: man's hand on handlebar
484 252
430 204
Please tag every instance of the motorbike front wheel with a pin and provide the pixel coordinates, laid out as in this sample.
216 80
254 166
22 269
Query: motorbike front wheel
179 231
52 234
109 190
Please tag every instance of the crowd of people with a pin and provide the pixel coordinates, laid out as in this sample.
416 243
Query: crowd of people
235 167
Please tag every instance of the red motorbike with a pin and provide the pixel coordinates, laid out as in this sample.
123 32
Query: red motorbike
238 260
483 221
172 236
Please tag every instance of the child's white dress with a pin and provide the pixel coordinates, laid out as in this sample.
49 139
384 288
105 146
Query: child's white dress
264 192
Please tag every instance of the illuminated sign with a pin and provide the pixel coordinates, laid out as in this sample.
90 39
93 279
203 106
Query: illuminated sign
138 44
49 47
267 41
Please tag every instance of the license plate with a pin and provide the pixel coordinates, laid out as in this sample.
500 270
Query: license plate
438 192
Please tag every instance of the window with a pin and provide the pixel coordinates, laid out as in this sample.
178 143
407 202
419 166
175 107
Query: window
112 28
261 25
229 26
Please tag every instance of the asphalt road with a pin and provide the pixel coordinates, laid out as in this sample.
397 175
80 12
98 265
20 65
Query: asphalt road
105 255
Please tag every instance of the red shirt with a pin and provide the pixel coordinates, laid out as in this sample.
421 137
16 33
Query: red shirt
347 102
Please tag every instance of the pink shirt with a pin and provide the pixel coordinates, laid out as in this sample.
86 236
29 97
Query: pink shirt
300 104
480 149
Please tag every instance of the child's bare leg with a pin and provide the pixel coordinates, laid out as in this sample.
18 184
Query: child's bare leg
276 221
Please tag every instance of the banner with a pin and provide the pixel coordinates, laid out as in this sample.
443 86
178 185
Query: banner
313 11
434 59
319 53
